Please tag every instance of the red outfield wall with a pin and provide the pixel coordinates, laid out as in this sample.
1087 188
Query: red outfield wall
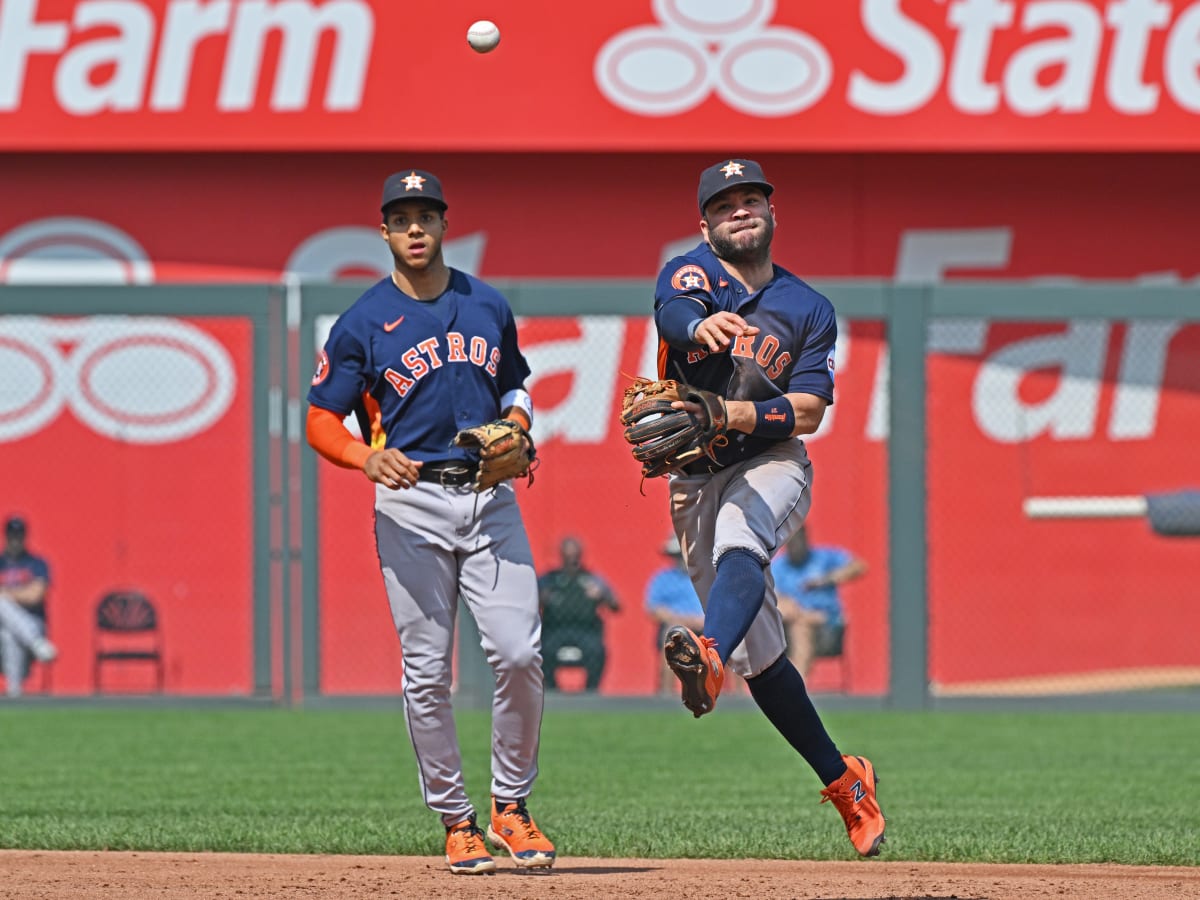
170 217
584 216
125 484
572 152
160 498
1009 598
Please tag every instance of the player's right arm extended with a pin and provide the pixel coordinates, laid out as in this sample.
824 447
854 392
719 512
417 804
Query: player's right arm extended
329 436
677 320
684 323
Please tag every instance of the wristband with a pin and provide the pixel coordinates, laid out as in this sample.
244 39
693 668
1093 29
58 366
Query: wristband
774 418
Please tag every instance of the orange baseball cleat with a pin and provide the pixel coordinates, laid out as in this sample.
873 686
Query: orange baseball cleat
466 853
854 796
513 829
695 662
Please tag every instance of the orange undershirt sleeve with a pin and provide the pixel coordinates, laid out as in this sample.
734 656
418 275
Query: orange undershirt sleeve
329 437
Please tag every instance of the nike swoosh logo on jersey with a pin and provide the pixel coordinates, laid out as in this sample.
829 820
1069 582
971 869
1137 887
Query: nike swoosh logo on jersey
391 326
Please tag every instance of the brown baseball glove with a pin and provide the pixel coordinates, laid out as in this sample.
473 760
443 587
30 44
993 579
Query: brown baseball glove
505 450
664 438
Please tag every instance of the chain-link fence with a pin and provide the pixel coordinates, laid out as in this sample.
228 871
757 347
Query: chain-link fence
1063 528
134 445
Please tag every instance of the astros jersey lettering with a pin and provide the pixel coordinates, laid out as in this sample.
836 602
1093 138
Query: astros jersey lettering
792 352
439 366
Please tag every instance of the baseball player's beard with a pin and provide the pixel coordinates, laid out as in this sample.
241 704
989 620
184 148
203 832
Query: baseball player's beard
756 250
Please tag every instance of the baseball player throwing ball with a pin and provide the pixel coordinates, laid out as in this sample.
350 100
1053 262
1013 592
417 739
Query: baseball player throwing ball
428 361
752 347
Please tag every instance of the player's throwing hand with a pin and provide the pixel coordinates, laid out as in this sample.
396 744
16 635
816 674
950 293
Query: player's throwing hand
722 327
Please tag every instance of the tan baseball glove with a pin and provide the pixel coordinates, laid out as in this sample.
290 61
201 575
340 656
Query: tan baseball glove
505 450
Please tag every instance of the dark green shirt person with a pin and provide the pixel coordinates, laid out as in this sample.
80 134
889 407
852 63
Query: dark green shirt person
572 627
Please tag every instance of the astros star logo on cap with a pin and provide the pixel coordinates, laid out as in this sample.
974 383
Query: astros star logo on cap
732 169
414 180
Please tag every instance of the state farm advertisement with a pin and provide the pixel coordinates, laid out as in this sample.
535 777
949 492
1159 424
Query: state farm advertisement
622 75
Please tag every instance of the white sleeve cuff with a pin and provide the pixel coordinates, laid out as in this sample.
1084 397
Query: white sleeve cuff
521 400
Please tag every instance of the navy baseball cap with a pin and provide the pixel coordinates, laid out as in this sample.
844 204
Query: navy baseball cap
731 173
14 526
412 184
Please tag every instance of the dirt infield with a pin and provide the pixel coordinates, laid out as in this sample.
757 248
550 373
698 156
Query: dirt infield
45 875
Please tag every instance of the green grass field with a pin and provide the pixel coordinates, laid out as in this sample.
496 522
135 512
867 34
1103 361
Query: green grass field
1055 787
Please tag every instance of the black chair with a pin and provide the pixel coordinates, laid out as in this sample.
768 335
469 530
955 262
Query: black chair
831 646
127 631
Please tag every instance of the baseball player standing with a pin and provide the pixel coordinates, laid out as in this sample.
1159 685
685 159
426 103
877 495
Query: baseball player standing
732 322
421 355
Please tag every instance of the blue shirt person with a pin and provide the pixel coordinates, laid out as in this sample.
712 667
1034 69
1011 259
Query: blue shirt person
806 581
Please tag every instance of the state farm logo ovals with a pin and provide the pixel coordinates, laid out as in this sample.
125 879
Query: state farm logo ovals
776 73
67 250
30 394
702 46
138 379
653 72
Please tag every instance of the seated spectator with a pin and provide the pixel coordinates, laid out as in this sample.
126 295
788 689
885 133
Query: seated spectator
572 629
24 579
806 583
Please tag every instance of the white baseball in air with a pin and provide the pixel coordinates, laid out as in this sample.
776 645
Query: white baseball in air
483 36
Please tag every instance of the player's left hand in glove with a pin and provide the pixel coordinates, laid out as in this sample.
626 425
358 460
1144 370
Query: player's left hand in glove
505 450
665 437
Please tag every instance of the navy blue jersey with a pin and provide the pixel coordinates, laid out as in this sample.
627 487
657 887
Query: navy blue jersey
416 372
16 572
791 354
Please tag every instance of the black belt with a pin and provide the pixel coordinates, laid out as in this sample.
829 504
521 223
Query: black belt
448 472
702 466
